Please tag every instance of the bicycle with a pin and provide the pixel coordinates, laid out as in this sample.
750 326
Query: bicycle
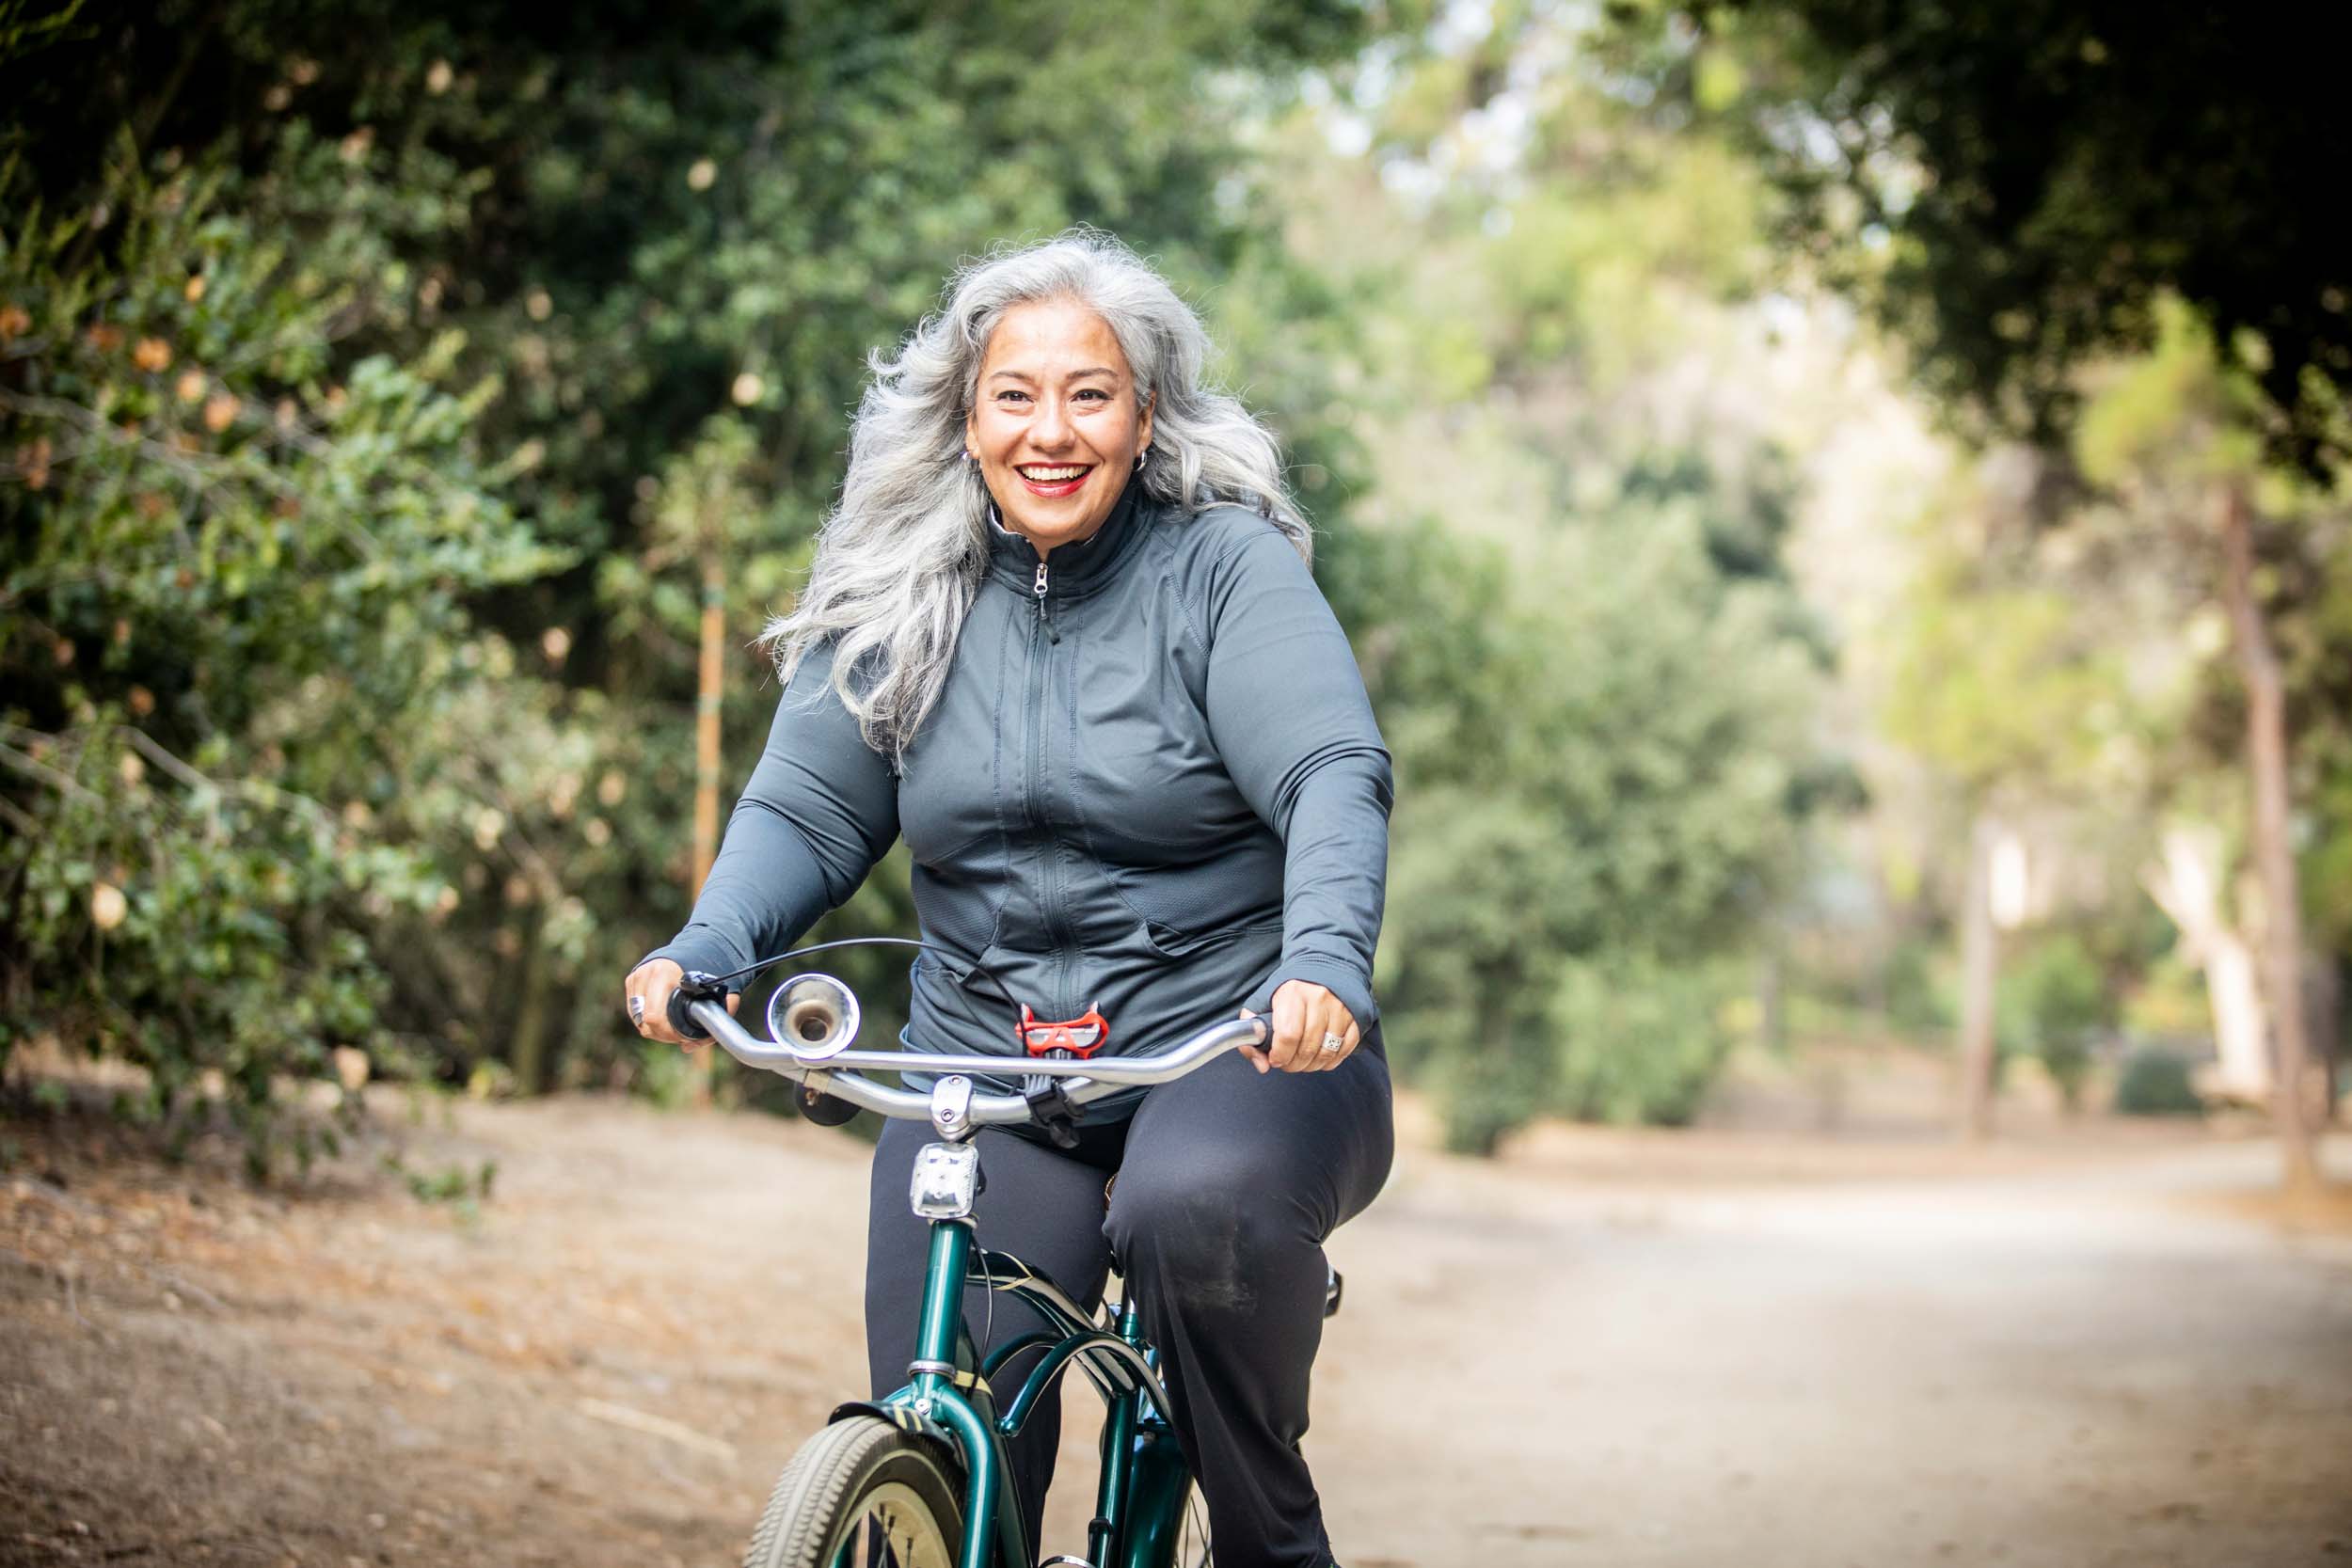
921 1478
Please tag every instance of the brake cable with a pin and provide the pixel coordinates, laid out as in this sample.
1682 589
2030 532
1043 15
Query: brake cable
988 1278
977 966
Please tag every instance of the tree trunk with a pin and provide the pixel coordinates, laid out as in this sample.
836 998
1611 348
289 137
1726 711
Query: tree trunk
2274 853
1980 971
1772 1004
2186 882
528 1052
710 691
2327 1032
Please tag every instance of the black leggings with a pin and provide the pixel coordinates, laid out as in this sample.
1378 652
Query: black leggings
1228 1181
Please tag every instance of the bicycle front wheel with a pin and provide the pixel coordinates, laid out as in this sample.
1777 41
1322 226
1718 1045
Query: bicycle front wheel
861 1494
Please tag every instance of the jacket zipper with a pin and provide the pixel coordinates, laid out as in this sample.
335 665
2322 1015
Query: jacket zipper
1049 856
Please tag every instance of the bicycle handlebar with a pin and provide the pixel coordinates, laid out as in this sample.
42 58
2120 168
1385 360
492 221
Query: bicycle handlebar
1083 1081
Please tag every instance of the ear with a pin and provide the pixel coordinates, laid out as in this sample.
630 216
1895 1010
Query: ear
1144 439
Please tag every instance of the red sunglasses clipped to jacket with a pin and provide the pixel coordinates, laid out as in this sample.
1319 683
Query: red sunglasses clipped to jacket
1081 1036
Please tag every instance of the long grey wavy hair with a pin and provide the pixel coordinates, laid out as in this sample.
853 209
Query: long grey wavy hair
899 559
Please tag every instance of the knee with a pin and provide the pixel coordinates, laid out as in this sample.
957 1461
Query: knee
1210 1238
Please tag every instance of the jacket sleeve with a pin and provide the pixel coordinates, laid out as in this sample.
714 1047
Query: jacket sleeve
1288 716
820 809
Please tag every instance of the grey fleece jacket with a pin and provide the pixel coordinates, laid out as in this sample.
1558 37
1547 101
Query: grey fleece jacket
1153 785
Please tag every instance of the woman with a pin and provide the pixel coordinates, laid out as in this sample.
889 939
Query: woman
1061 635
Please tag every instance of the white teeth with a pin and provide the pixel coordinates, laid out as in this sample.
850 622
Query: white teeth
1051 476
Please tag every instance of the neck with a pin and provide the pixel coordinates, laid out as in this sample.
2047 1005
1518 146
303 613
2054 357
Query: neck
1044 550
1016 557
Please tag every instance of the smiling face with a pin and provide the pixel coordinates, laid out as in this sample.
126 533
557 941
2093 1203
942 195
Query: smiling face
1054 423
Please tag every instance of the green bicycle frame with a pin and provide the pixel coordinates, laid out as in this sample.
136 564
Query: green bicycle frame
1139 1512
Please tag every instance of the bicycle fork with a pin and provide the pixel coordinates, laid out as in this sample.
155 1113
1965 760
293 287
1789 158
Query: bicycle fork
947 1388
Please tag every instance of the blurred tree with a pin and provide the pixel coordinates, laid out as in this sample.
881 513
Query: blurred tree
2009 692
2055 1004
2176 431
2037 180
1571 598
2156 1082
1603 763
2018 193
2190 880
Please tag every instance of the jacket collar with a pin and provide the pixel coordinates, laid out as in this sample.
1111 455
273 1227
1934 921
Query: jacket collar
1075 568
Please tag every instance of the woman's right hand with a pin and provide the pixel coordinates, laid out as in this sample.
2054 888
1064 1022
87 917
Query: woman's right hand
646 997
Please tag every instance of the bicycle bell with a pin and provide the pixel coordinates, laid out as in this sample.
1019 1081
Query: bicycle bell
816 1016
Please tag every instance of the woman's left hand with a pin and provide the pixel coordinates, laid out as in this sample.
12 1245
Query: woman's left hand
1307 1020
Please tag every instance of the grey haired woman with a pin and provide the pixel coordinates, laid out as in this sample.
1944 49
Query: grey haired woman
1060 634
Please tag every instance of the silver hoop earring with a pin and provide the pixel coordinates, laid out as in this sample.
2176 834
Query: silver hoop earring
1140 456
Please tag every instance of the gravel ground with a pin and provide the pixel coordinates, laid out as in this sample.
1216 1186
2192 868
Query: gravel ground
1608 1348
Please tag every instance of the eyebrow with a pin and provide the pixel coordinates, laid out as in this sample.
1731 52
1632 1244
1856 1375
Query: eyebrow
1074 375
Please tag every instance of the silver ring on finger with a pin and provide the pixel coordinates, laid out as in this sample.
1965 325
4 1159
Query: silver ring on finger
1332 1044
637 1011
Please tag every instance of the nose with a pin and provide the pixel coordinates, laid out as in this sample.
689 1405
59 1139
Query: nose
1051 428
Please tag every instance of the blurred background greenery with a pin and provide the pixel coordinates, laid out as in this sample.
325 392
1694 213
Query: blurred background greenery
1840 506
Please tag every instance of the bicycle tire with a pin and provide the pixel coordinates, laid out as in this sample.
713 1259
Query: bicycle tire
861 1472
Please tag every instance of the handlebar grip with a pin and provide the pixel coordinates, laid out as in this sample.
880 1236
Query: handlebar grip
698 986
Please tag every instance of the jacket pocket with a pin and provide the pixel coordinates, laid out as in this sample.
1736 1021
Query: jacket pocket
1169 943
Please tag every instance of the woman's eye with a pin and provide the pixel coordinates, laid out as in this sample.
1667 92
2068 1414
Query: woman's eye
1012 397
1094 392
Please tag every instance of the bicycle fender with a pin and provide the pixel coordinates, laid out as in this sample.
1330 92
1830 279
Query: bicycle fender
903 1416
1012 1547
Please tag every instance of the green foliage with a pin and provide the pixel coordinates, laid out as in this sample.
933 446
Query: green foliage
1572 604
2165 432
2319 650
234 569
2177 408
465 1191
2097 229
1598 790
1638 1039
1916 1002
2156 1082
1491 1085
1998 683
666 1075
2054 1004
2024 192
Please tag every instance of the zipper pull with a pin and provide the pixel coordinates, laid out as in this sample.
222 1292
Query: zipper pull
1052 634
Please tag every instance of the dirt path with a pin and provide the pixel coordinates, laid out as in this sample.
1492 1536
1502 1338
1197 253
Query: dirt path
1610 1351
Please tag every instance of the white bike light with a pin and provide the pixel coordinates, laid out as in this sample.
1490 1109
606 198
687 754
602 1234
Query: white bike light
946 1178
